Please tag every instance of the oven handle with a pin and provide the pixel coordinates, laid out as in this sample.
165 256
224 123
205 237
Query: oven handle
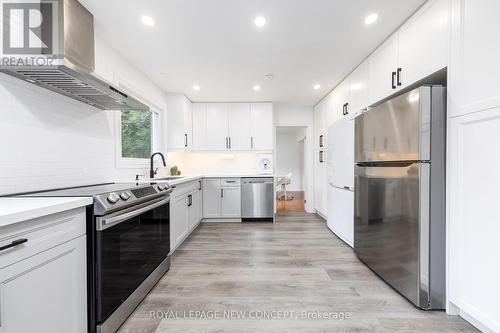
105 223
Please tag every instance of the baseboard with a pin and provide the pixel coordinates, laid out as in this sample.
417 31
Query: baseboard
477 324
320 214
221 220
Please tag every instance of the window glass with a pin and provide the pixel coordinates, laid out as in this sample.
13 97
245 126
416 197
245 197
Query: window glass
136 134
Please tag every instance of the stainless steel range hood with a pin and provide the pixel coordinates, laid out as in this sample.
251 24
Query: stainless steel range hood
69 70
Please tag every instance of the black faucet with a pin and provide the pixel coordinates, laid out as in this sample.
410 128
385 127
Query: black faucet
152 172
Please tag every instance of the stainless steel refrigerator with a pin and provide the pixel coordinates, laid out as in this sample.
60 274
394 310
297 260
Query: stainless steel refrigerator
399 213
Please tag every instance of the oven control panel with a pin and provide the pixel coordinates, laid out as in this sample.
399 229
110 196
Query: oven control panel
110 202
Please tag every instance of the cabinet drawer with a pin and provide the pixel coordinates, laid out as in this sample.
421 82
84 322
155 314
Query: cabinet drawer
40 234
230 182
182 189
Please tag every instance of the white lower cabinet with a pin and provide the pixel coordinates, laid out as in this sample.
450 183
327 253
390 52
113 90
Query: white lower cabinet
179 226
320 182
194 209
231 202
43 288
185 212
222 198
341 213
473 223
211 198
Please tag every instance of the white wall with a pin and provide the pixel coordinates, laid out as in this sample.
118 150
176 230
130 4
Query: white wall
298 115
290 155
50 141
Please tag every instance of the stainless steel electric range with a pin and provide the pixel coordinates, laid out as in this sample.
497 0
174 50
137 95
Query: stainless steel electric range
128 243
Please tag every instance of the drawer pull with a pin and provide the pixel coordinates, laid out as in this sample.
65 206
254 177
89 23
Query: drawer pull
14 244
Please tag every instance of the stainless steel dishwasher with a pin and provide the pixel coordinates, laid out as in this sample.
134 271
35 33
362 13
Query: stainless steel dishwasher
257 199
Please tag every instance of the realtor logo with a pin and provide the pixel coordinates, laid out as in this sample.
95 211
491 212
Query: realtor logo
28 28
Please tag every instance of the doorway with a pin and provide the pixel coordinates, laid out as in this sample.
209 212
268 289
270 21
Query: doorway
290 158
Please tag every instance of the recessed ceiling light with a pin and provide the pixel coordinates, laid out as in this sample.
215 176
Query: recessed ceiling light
372 18
196 87
256 87
317 86
148 20
260 21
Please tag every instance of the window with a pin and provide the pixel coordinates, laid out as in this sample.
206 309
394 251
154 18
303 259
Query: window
137 137
137 134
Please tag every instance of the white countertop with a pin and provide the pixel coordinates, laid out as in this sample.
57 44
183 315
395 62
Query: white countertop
15 210
187 179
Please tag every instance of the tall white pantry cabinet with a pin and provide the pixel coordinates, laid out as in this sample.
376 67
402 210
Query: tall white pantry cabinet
473 160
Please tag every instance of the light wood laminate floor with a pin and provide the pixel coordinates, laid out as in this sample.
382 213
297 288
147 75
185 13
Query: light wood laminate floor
260 269
296 204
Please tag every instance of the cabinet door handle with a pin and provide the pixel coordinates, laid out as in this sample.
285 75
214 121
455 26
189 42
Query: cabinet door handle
321 157
227 146
399 76
343 110
251 142
346 109
321 141
222 193
393 80
14 244
229 142
199 187
185 140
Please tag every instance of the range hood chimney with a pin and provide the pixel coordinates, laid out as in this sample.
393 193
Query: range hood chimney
69 70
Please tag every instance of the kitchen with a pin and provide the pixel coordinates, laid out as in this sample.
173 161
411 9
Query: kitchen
196 226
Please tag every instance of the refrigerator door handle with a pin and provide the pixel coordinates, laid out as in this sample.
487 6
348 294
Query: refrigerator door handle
390 164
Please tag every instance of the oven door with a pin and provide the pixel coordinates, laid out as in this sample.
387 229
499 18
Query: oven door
129 246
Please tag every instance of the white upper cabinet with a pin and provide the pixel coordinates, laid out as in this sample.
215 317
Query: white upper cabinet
199 126
358 91
334 103
382 72
262 126
233 126
420 48
179 123
239 132
424 42
318 126
216 137
475 56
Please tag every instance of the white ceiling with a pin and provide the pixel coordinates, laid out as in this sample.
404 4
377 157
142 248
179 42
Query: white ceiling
214 43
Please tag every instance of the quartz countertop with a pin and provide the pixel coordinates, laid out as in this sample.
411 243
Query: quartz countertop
187 179
15 210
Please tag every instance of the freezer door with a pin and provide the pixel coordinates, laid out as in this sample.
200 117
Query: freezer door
391 225
398 130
